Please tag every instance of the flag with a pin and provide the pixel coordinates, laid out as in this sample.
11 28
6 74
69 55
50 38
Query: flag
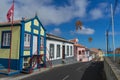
10 13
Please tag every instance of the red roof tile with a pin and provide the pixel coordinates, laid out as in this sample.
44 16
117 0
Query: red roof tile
95 50
79 45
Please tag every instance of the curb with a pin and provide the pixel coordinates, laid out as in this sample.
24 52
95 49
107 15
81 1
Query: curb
35 72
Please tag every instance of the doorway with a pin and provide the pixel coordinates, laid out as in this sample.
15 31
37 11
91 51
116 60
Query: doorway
63 52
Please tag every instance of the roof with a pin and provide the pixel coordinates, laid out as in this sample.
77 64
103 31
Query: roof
10 23
74 40
54 37
94 50
16 22
79 45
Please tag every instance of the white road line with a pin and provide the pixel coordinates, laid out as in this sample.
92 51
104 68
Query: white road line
65 77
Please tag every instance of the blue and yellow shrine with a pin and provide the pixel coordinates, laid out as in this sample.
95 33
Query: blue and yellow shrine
23 48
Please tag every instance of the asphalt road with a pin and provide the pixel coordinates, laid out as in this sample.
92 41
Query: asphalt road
77 71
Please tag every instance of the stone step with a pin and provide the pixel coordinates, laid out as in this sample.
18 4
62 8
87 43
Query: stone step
1 67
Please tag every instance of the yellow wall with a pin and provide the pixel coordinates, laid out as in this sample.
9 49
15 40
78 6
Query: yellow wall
4 53
28 26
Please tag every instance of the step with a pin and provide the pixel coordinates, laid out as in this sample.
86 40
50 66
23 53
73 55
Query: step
12 72
1 67
27 70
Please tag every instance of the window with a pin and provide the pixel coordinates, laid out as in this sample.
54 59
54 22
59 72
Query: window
71 50
83 52
27 40
58 51
51 51
67 50
6 37
42 43
79 52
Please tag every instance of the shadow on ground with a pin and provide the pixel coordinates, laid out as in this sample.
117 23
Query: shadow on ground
94 72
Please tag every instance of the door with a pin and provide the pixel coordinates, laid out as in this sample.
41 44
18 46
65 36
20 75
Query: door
35 42
63 52
35 51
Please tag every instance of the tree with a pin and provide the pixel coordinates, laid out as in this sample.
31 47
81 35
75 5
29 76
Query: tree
117 50
90 39
78 24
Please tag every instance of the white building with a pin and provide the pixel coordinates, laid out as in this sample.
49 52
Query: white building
58 49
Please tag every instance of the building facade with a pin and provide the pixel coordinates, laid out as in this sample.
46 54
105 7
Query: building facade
81 52
59 49
22 47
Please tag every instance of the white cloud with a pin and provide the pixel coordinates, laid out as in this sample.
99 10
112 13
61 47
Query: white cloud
47 11
56 31
115 33
96 13
103 5
84 31
3 9
100 11
81 6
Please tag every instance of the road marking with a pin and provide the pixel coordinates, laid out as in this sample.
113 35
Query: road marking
65 77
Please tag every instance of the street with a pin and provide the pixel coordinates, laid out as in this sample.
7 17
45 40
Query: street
77 71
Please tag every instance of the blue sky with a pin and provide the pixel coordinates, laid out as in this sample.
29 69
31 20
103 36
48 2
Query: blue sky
59 17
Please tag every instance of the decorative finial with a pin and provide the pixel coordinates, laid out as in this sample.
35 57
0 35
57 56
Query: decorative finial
35 14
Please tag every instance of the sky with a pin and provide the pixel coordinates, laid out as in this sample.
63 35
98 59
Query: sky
59 18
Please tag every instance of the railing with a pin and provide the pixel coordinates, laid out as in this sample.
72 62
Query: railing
49 61
37 62
111 69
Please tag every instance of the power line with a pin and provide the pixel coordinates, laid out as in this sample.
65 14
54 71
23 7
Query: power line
115 6
114 9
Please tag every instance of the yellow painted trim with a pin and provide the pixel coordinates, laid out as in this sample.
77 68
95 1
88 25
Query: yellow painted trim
35 31
28 26
26 53
36 22
42 31
41 52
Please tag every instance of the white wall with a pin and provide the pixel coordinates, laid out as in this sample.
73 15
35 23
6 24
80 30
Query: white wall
69 44
55 42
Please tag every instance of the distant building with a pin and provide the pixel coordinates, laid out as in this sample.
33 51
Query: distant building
97 54
100 55
117 50
81 52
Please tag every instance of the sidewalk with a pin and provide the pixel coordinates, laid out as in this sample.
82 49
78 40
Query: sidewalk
23 75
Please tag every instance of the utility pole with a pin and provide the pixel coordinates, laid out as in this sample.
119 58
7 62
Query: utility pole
112 17
107 41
